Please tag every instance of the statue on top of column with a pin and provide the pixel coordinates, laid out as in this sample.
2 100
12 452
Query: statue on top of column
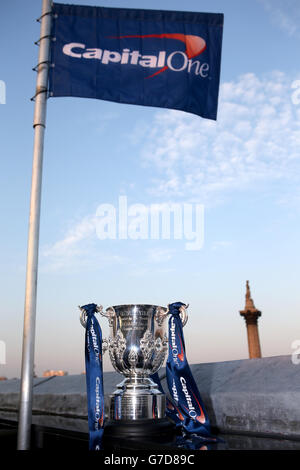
249 302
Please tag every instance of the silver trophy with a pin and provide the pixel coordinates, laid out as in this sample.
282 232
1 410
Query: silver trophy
137 347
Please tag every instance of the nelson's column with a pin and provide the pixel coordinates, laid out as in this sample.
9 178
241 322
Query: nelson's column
251 314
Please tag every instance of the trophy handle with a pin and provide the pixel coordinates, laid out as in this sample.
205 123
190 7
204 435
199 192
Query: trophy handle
162 313
183 314
82 316
110 314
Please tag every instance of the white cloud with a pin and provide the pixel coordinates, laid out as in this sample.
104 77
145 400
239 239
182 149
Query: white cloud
80 248
69 245
285 14
256 138
160 255
76 250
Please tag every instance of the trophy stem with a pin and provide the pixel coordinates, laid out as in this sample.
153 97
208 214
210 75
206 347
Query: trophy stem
137 398
137 381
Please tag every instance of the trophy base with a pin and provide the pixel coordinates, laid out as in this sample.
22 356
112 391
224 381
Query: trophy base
156 430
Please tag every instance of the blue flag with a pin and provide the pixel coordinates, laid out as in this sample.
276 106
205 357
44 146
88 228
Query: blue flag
165 59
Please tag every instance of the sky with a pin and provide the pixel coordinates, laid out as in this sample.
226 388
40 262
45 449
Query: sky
243 170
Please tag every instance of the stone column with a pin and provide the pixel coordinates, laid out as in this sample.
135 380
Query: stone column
251 315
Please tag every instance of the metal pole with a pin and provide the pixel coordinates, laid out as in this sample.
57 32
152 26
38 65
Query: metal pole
26 390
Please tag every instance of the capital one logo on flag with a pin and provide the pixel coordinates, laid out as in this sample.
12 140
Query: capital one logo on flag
194 46
146 57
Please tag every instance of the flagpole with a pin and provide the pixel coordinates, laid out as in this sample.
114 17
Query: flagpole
26 388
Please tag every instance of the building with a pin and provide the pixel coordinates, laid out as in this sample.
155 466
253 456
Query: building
51 373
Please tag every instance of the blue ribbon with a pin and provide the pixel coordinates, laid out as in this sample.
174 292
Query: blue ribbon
186 408
94 377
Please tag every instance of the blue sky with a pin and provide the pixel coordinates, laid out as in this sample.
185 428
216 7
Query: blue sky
244 169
